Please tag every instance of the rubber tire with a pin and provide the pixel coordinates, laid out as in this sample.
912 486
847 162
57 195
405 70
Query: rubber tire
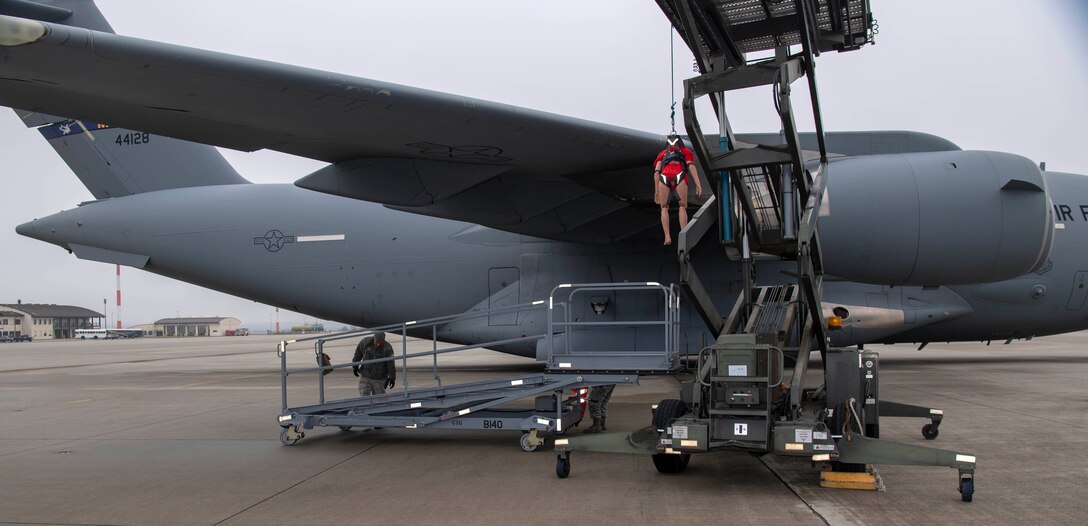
562 466
967 489
671 463
523 442
285 441
930 431
666 412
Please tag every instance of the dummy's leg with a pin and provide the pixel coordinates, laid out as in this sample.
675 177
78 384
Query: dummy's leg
682 197
665 223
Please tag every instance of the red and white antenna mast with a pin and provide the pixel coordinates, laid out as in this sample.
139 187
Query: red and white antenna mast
119 297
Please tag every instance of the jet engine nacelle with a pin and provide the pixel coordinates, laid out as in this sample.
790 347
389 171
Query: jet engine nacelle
935 218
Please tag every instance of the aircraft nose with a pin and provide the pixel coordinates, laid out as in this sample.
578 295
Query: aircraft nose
27 229
46 229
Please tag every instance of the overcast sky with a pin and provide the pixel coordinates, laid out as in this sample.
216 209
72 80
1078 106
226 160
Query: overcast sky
993 75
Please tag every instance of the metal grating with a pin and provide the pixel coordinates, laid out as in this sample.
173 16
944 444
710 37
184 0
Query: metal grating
761 25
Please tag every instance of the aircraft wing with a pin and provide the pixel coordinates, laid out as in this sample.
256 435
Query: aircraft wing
511 168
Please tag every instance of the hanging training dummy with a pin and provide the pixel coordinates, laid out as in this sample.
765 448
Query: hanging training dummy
673 168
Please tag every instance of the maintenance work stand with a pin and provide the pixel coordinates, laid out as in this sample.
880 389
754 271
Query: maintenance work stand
558 393
767 199
736 394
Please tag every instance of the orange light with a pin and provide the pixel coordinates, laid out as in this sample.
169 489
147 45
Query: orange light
834 322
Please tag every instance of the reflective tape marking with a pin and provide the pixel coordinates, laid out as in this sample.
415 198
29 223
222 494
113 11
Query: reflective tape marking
936 412
564 366
517 382
965 458
562 441
689 443
332 237
464 412
416 404
821 458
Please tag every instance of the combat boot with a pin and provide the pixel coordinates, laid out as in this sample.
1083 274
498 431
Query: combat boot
603 427
595 428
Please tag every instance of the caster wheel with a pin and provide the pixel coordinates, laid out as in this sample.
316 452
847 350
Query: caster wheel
930 431
562 466
526 443
967 489
288 438
345 428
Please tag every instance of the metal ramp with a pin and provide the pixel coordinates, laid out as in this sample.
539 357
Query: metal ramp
580 354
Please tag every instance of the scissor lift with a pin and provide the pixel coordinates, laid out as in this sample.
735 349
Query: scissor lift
558 392
767 199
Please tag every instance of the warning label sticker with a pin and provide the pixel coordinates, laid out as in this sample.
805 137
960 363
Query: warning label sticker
679 431
803 436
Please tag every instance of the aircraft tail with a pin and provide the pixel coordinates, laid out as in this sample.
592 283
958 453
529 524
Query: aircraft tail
114 162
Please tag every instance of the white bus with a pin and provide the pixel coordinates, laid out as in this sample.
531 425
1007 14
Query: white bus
92 334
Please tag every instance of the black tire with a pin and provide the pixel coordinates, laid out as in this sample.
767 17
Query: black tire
667 411
671 463
967 489
562 466
930 431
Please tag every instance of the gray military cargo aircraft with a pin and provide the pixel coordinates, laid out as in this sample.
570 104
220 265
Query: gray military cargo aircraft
435 204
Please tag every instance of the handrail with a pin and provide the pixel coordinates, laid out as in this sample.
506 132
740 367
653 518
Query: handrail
424 322
670 323
321 340
564 324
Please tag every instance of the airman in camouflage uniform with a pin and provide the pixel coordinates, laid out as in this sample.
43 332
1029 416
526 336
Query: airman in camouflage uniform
374 378
598 406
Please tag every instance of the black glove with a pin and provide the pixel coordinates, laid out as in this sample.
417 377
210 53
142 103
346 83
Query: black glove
390 383
355 370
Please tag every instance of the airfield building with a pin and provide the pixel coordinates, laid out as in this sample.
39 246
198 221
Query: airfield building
177 327
46 321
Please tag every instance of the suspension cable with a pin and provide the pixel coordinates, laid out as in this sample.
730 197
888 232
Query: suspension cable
672 77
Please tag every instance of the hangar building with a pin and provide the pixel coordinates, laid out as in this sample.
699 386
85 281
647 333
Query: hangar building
174 327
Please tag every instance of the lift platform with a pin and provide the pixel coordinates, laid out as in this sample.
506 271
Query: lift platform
578 353
767 199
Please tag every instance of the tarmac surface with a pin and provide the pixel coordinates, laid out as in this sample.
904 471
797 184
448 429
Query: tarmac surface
183 431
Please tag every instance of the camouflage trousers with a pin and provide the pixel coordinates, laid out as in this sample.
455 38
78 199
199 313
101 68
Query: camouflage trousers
369 387
598 400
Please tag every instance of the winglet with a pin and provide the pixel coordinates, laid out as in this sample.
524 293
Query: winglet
19 31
